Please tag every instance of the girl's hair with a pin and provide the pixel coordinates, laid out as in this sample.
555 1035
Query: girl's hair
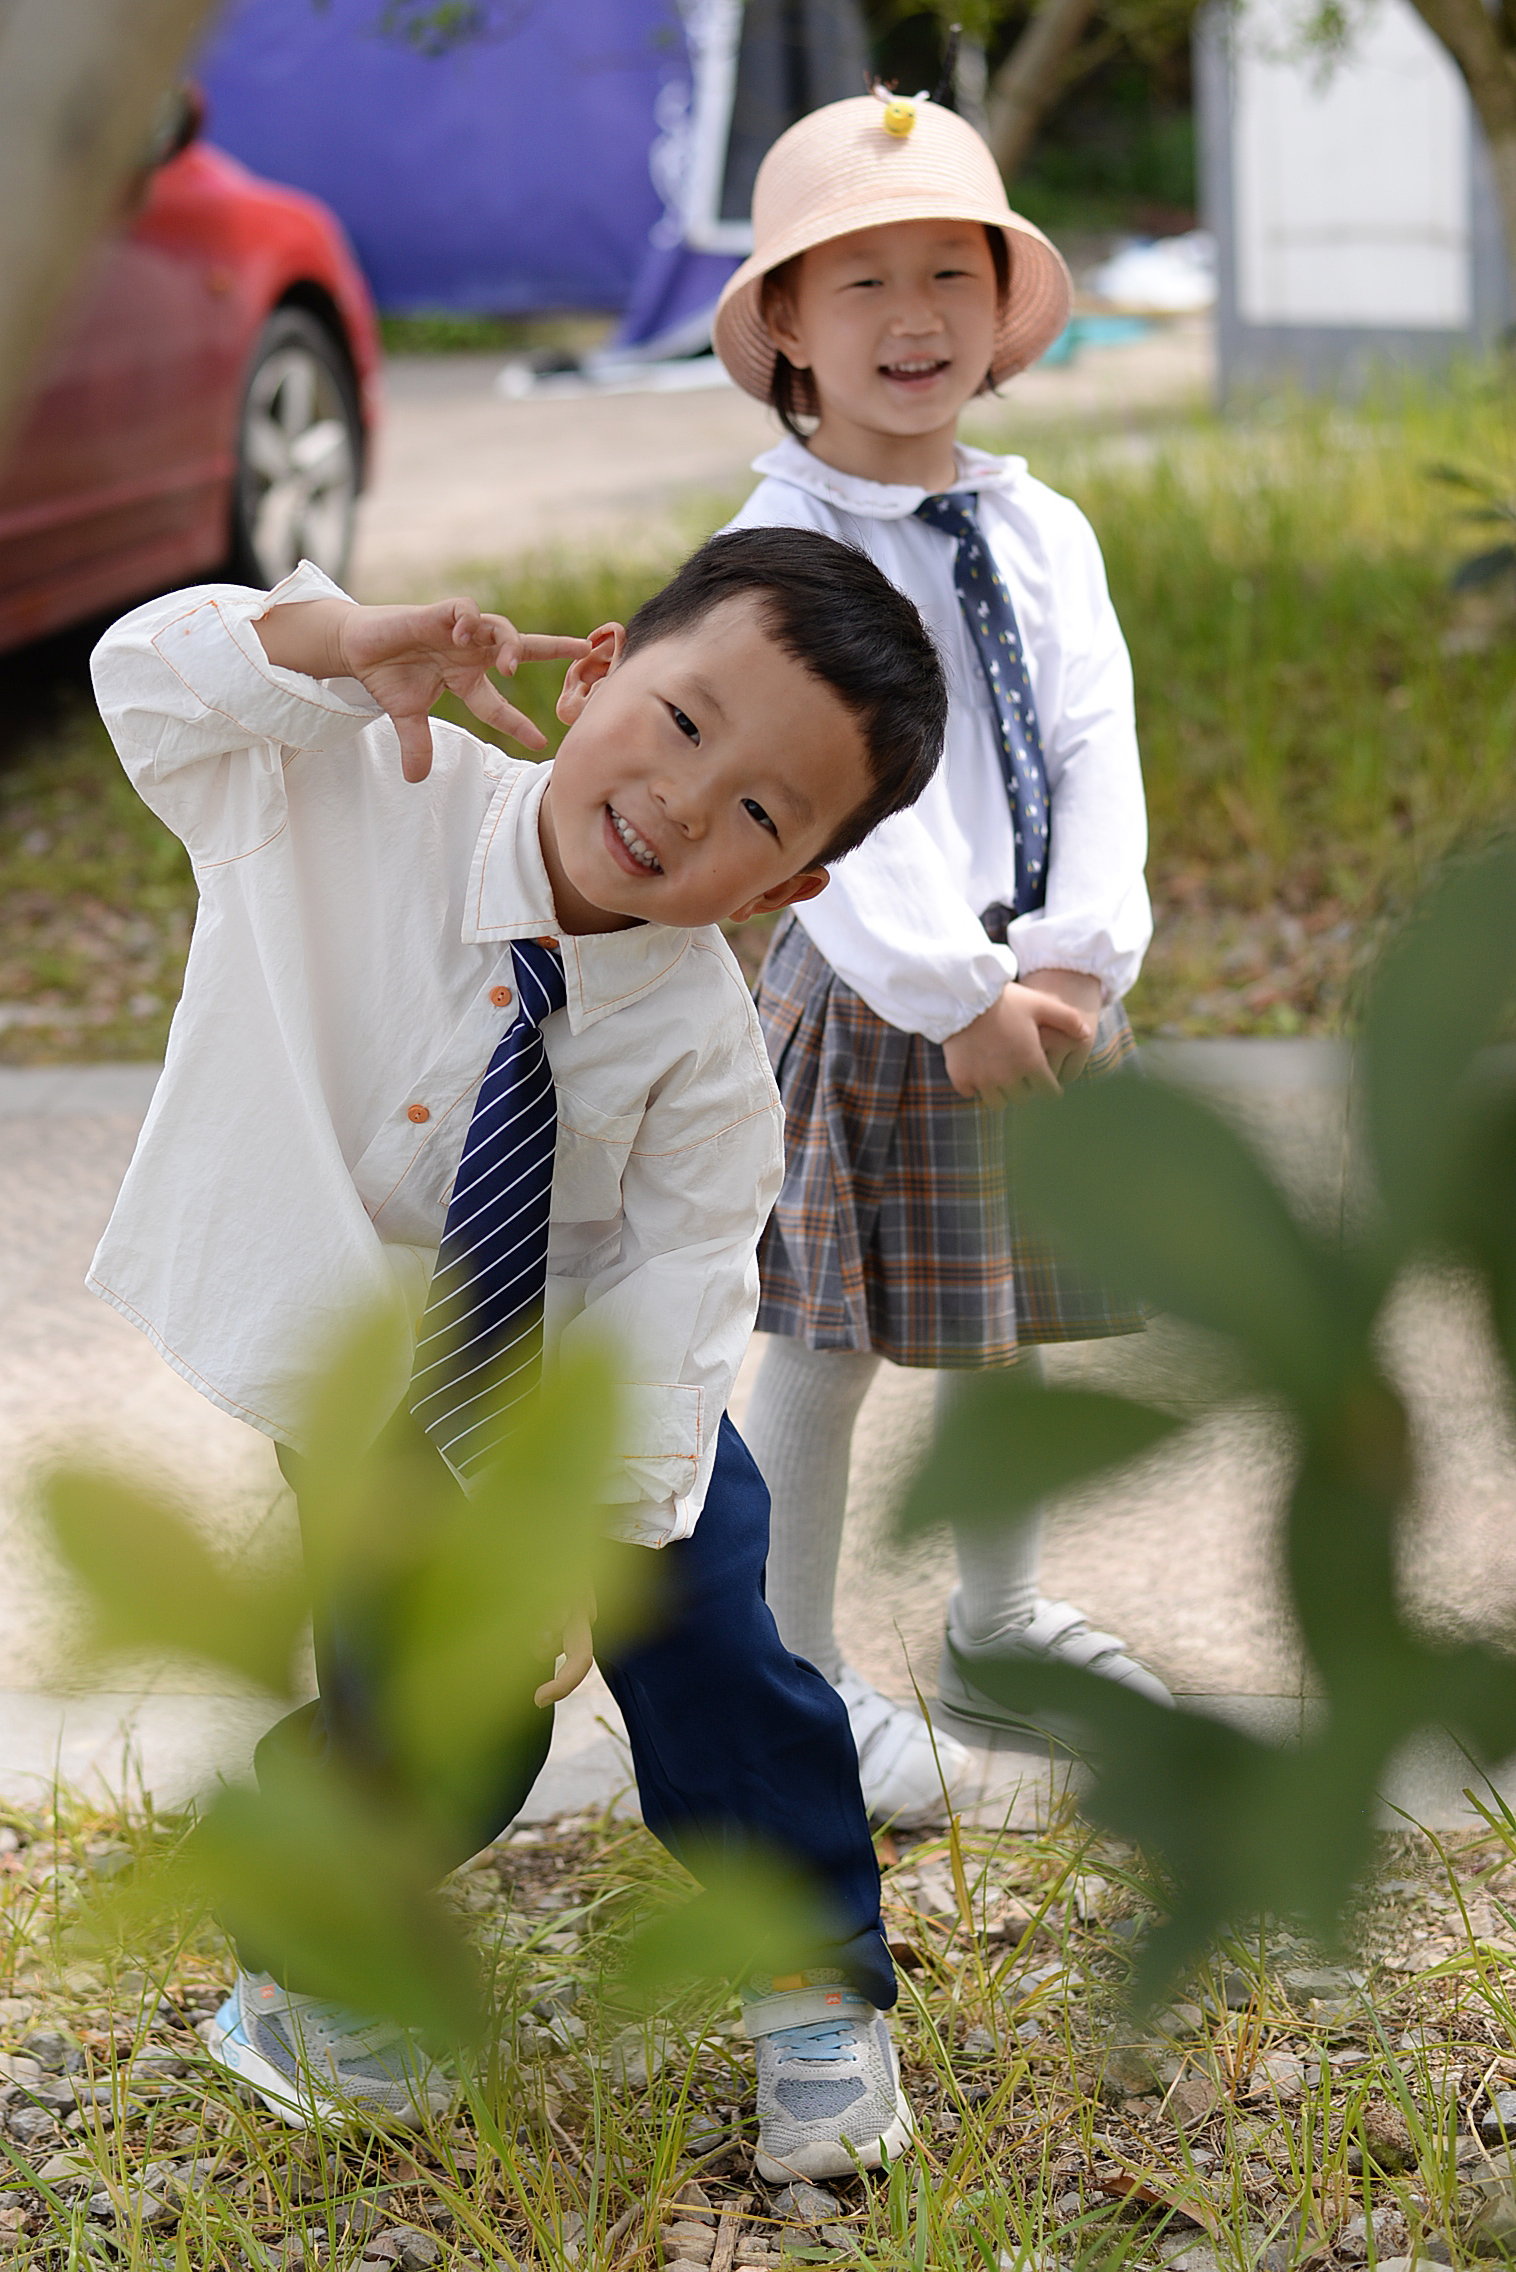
792 393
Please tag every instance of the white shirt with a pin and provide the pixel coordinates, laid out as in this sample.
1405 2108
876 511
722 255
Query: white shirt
295 1166
900 923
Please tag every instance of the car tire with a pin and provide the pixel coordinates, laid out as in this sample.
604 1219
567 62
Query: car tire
299 454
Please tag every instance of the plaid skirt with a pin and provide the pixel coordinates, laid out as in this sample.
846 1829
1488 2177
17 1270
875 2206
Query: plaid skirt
896 1230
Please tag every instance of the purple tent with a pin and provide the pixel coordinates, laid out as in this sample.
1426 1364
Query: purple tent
593 155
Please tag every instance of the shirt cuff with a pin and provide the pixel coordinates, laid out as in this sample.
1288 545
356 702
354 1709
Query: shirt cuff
1039 946
215 650
983 983
659 1457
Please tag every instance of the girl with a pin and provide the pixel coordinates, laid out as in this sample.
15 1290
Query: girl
978 946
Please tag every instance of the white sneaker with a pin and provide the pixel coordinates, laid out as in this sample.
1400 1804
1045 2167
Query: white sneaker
829 2095
902 1763
1058 1634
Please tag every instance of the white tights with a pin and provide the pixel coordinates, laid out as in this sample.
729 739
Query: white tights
799 1428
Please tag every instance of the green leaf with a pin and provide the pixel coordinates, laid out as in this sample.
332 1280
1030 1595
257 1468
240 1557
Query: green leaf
1210 1800
494 1579
1456 478
1341 1540
368 1484
1149 1190
321 1883
1244 1827
153 1583
1438 999
1484 568
1482 1211
1010 1447
756 1913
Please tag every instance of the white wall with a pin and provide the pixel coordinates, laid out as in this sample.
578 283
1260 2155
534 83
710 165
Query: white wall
1351 187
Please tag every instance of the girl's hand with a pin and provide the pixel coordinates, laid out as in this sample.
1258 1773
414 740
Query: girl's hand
408 656
578 1655
1002 1055
1078 991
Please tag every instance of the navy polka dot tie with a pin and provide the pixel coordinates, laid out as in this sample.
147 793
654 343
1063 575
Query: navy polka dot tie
479 1354
991 618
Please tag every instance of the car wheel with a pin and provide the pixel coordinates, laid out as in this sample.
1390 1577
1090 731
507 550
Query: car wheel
298 454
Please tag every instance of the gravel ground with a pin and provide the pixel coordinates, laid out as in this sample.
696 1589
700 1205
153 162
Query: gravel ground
1285 2108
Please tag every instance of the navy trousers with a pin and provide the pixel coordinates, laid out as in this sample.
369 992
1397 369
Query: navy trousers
737 1744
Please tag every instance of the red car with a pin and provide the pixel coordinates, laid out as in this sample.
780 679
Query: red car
208 404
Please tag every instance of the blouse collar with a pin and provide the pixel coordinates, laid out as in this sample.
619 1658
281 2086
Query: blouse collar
791 461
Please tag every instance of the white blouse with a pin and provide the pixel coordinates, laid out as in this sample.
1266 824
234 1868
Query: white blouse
900 922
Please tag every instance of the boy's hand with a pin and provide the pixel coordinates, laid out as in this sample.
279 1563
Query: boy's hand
578 1655
1078 991
1003 1052
408 656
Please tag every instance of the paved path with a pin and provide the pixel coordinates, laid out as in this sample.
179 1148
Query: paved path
1180 1560
466 477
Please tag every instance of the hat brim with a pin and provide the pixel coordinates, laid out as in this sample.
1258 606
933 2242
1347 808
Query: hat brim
1034 312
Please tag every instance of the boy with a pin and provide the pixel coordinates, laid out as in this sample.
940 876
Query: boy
385 971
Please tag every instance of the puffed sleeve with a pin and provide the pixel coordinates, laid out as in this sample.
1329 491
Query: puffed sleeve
1096 917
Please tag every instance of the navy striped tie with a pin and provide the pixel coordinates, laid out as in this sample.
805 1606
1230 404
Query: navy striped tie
479 1355
991 619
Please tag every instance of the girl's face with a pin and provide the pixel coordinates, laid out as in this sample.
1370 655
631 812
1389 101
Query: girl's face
895 325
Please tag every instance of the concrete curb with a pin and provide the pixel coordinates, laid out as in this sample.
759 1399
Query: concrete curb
55 1092
124 1748
1237 1062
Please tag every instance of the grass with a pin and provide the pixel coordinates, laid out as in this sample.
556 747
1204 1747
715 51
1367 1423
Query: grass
96 902
446 333
1252 2123
1321 717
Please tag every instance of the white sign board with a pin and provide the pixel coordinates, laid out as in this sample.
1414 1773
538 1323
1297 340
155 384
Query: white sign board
1351 182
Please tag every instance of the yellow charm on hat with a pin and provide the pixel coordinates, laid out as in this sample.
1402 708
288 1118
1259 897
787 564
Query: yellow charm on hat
899 111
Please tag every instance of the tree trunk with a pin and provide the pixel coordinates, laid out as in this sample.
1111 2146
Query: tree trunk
1483 45
80 81
1033 76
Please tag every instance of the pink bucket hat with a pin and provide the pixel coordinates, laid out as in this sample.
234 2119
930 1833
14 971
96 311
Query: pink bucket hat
861 164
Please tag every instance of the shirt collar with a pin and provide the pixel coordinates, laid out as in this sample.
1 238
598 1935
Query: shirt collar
509 897
791 461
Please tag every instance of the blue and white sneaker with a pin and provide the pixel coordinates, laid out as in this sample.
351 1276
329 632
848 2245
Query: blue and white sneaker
829 2095
311 2061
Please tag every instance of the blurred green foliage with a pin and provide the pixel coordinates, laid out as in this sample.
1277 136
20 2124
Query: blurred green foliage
336 1869
329 1871
444 331
1151 1189
1495 508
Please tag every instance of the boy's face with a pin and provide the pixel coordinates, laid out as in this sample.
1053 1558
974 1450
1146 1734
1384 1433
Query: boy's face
896 325
700 777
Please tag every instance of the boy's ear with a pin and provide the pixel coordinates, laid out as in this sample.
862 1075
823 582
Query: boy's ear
585 673
806 885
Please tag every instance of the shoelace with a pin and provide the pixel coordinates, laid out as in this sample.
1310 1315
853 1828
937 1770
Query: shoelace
357 2027
816 2039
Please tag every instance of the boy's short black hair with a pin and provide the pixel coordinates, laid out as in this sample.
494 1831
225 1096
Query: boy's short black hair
840 617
